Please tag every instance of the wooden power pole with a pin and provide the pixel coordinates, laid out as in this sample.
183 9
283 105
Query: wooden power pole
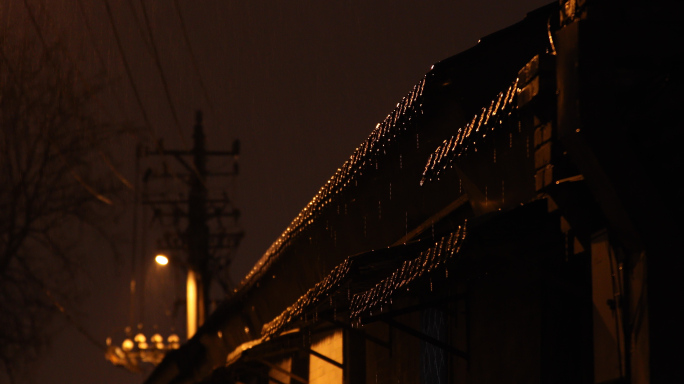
196 239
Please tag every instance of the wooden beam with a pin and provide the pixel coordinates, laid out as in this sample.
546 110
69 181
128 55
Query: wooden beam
435 218
285 371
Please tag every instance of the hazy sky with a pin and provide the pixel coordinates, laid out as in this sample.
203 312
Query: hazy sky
300 83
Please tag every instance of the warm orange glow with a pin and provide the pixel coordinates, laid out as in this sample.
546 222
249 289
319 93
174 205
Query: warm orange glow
191 300
321 371
140 338
161 259
127 345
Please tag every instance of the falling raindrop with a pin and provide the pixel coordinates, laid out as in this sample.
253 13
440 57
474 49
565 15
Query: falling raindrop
510 140
400 161
433 230
390 191
417 141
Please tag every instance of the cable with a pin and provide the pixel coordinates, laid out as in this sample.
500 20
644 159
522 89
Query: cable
157 61
48 51
161 73
117 37
73 173
129 74
193 58
43 42
136 19
90 34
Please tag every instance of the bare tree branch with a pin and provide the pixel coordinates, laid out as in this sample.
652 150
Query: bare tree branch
56 183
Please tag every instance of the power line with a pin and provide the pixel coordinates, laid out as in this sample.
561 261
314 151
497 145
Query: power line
136 19
73 173
100 58
117 37
48 51
129 74
193 58
161 73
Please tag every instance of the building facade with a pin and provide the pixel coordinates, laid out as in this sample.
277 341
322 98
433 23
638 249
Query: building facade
514 219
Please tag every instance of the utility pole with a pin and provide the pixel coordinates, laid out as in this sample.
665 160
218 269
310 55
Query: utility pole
196 239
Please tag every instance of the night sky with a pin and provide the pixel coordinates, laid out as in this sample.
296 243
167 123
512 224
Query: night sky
301 84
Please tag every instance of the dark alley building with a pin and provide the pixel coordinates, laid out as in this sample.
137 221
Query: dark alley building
516 218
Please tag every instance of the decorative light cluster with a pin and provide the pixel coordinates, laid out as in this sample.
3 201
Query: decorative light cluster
402 117
322 289
410 270
428 260
476 130
133 352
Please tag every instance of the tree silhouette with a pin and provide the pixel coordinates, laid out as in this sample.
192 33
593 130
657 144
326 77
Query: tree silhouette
53 189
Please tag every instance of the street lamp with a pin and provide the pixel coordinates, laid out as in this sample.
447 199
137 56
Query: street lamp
161 259
192 295
137 348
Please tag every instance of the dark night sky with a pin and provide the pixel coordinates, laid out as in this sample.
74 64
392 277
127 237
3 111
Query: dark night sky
301 84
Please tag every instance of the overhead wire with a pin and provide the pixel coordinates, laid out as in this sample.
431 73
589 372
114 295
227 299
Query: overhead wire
165 83
138 24
193 58
98 53
44 44
157 60
131 80
73 173
127 67
103 155
117 98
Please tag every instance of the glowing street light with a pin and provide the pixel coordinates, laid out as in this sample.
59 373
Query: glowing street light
193 299
161 259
